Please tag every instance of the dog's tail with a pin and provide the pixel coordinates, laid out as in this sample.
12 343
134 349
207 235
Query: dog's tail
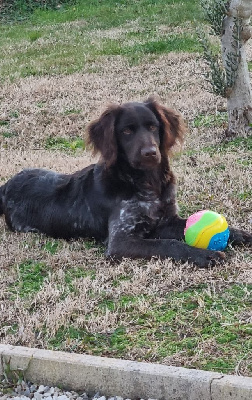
1 199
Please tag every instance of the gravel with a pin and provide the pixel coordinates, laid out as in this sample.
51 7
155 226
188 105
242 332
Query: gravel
27 391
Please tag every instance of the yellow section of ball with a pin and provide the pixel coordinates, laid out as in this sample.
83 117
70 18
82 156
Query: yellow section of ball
203 238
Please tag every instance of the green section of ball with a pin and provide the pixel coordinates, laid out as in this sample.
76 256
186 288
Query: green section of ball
203 227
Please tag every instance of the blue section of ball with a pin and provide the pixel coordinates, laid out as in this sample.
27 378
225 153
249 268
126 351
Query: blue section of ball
219 241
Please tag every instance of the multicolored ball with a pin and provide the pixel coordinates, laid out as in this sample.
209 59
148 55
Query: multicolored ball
207 230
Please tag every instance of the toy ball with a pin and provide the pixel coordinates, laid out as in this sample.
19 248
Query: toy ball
207 230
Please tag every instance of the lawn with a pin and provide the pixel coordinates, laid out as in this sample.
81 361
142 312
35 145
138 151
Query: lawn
58 70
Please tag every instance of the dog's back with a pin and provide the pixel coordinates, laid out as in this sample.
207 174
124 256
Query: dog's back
59 205
1 199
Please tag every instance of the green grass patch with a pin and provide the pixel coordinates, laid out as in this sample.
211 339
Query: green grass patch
32 48
35 35
173 43
52 246
228 146
18 10
115 342
14 114
30 278
211 120
104 15
116 282
246 195
246 162
72 111
181 324
4 122
75 273
73 55
59 143
8 135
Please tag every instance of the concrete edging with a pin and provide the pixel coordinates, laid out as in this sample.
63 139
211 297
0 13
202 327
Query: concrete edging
129 379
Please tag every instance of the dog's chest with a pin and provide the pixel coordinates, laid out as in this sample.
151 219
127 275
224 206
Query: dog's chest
138 216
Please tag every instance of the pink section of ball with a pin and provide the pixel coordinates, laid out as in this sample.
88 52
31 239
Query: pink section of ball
193 219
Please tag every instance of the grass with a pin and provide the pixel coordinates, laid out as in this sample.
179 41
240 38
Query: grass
38 59
110 14
239 142
59 69
59 143
211 120
30 277
52 246
182 323
31 48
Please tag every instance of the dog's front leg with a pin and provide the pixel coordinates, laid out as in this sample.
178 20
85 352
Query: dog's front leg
172 228
120 245
129 236
239 237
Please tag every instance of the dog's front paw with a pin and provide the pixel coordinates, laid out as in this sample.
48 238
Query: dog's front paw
238 236
208 258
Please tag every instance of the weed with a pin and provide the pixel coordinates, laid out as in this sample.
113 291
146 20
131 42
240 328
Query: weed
12 376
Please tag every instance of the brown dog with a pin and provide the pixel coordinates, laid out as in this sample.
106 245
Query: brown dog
127 200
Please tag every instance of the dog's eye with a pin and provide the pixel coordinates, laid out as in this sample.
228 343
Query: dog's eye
152 128
127 131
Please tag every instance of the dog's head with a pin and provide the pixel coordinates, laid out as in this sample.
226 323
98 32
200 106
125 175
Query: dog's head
139 133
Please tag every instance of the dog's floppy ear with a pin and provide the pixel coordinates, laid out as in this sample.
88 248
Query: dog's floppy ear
101 134
171 122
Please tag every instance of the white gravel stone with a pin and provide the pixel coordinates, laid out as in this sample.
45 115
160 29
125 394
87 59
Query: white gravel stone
38 396
41 389
31 391
21 398
33 388
115 398
62 397
84 396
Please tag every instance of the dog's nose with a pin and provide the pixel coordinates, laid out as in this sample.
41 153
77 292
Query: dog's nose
149 151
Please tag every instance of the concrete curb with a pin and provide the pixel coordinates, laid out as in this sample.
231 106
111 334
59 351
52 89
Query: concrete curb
129 379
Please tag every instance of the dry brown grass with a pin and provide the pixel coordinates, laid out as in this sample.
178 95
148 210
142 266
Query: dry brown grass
37 108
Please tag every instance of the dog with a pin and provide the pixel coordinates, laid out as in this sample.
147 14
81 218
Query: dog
127 200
